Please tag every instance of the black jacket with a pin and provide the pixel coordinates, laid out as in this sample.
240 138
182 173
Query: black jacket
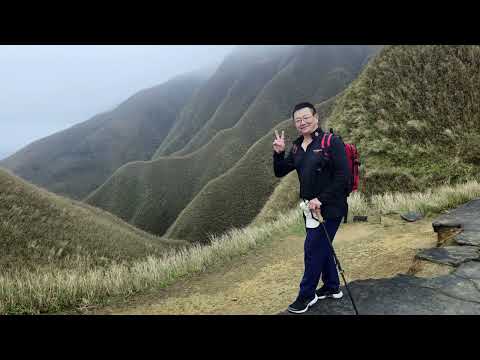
323 174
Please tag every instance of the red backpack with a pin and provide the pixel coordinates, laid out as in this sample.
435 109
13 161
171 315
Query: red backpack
352 159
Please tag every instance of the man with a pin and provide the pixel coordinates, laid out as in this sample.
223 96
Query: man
322 173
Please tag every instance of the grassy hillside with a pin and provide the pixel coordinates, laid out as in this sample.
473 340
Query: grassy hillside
283 198
405 112
221 101
80 286
76 161
152 194
414 113
247 186
38 228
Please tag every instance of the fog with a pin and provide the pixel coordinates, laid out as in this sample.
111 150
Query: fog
46 88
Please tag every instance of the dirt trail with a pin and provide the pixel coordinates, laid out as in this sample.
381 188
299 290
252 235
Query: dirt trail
266 280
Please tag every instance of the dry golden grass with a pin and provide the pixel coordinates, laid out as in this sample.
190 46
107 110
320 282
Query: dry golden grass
51 289
384 249
266 280
431 201
428 202
427 269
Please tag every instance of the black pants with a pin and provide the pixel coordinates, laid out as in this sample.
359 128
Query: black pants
319 259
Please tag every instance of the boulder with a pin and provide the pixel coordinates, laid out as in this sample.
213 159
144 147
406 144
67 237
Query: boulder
450 255
468 238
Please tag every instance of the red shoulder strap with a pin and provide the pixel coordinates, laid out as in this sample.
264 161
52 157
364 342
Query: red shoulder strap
323 140
328 141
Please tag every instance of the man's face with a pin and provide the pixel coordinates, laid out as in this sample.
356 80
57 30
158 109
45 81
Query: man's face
305 122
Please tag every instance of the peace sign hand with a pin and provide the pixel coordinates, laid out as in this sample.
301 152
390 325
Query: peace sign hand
279 143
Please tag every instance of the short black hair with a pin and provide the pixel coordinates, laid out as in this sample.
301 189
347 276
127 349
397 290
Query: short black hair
302 106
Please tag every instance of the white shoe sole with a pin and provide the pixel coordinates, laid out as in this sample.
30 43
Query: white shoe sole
304 310
335 296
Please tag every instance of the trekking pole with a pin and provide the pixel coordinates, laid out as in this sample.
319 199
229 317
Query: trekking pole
338 264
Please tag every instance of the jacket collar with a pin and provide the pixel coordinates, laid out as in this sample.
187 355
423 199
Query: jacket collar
317 133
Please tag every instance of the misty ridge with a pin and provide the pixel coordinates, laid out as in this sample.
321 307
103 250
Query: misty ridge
47 88
5 153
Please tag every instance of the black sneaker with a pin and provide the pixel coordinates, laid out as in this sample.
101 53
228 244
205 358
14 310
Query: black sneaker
301 305
325 292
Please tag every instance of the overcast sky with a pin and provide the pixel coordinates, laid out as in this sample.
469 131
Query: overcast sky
46 88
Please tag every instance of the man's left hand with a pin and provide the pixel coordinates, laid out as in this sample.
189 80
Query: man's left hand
314 204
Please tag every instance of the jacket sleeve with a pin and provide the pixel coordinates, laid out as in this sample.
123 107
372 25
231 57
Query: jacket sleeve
340 173
281 165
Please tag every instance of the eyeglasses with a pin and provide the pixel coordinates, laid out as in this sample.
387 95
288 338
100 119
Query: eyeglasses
304 119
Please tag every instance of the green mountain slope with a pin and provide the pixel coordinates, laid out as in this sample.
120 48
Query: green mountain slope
39 228
152 194
283 198
76 161
414 113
